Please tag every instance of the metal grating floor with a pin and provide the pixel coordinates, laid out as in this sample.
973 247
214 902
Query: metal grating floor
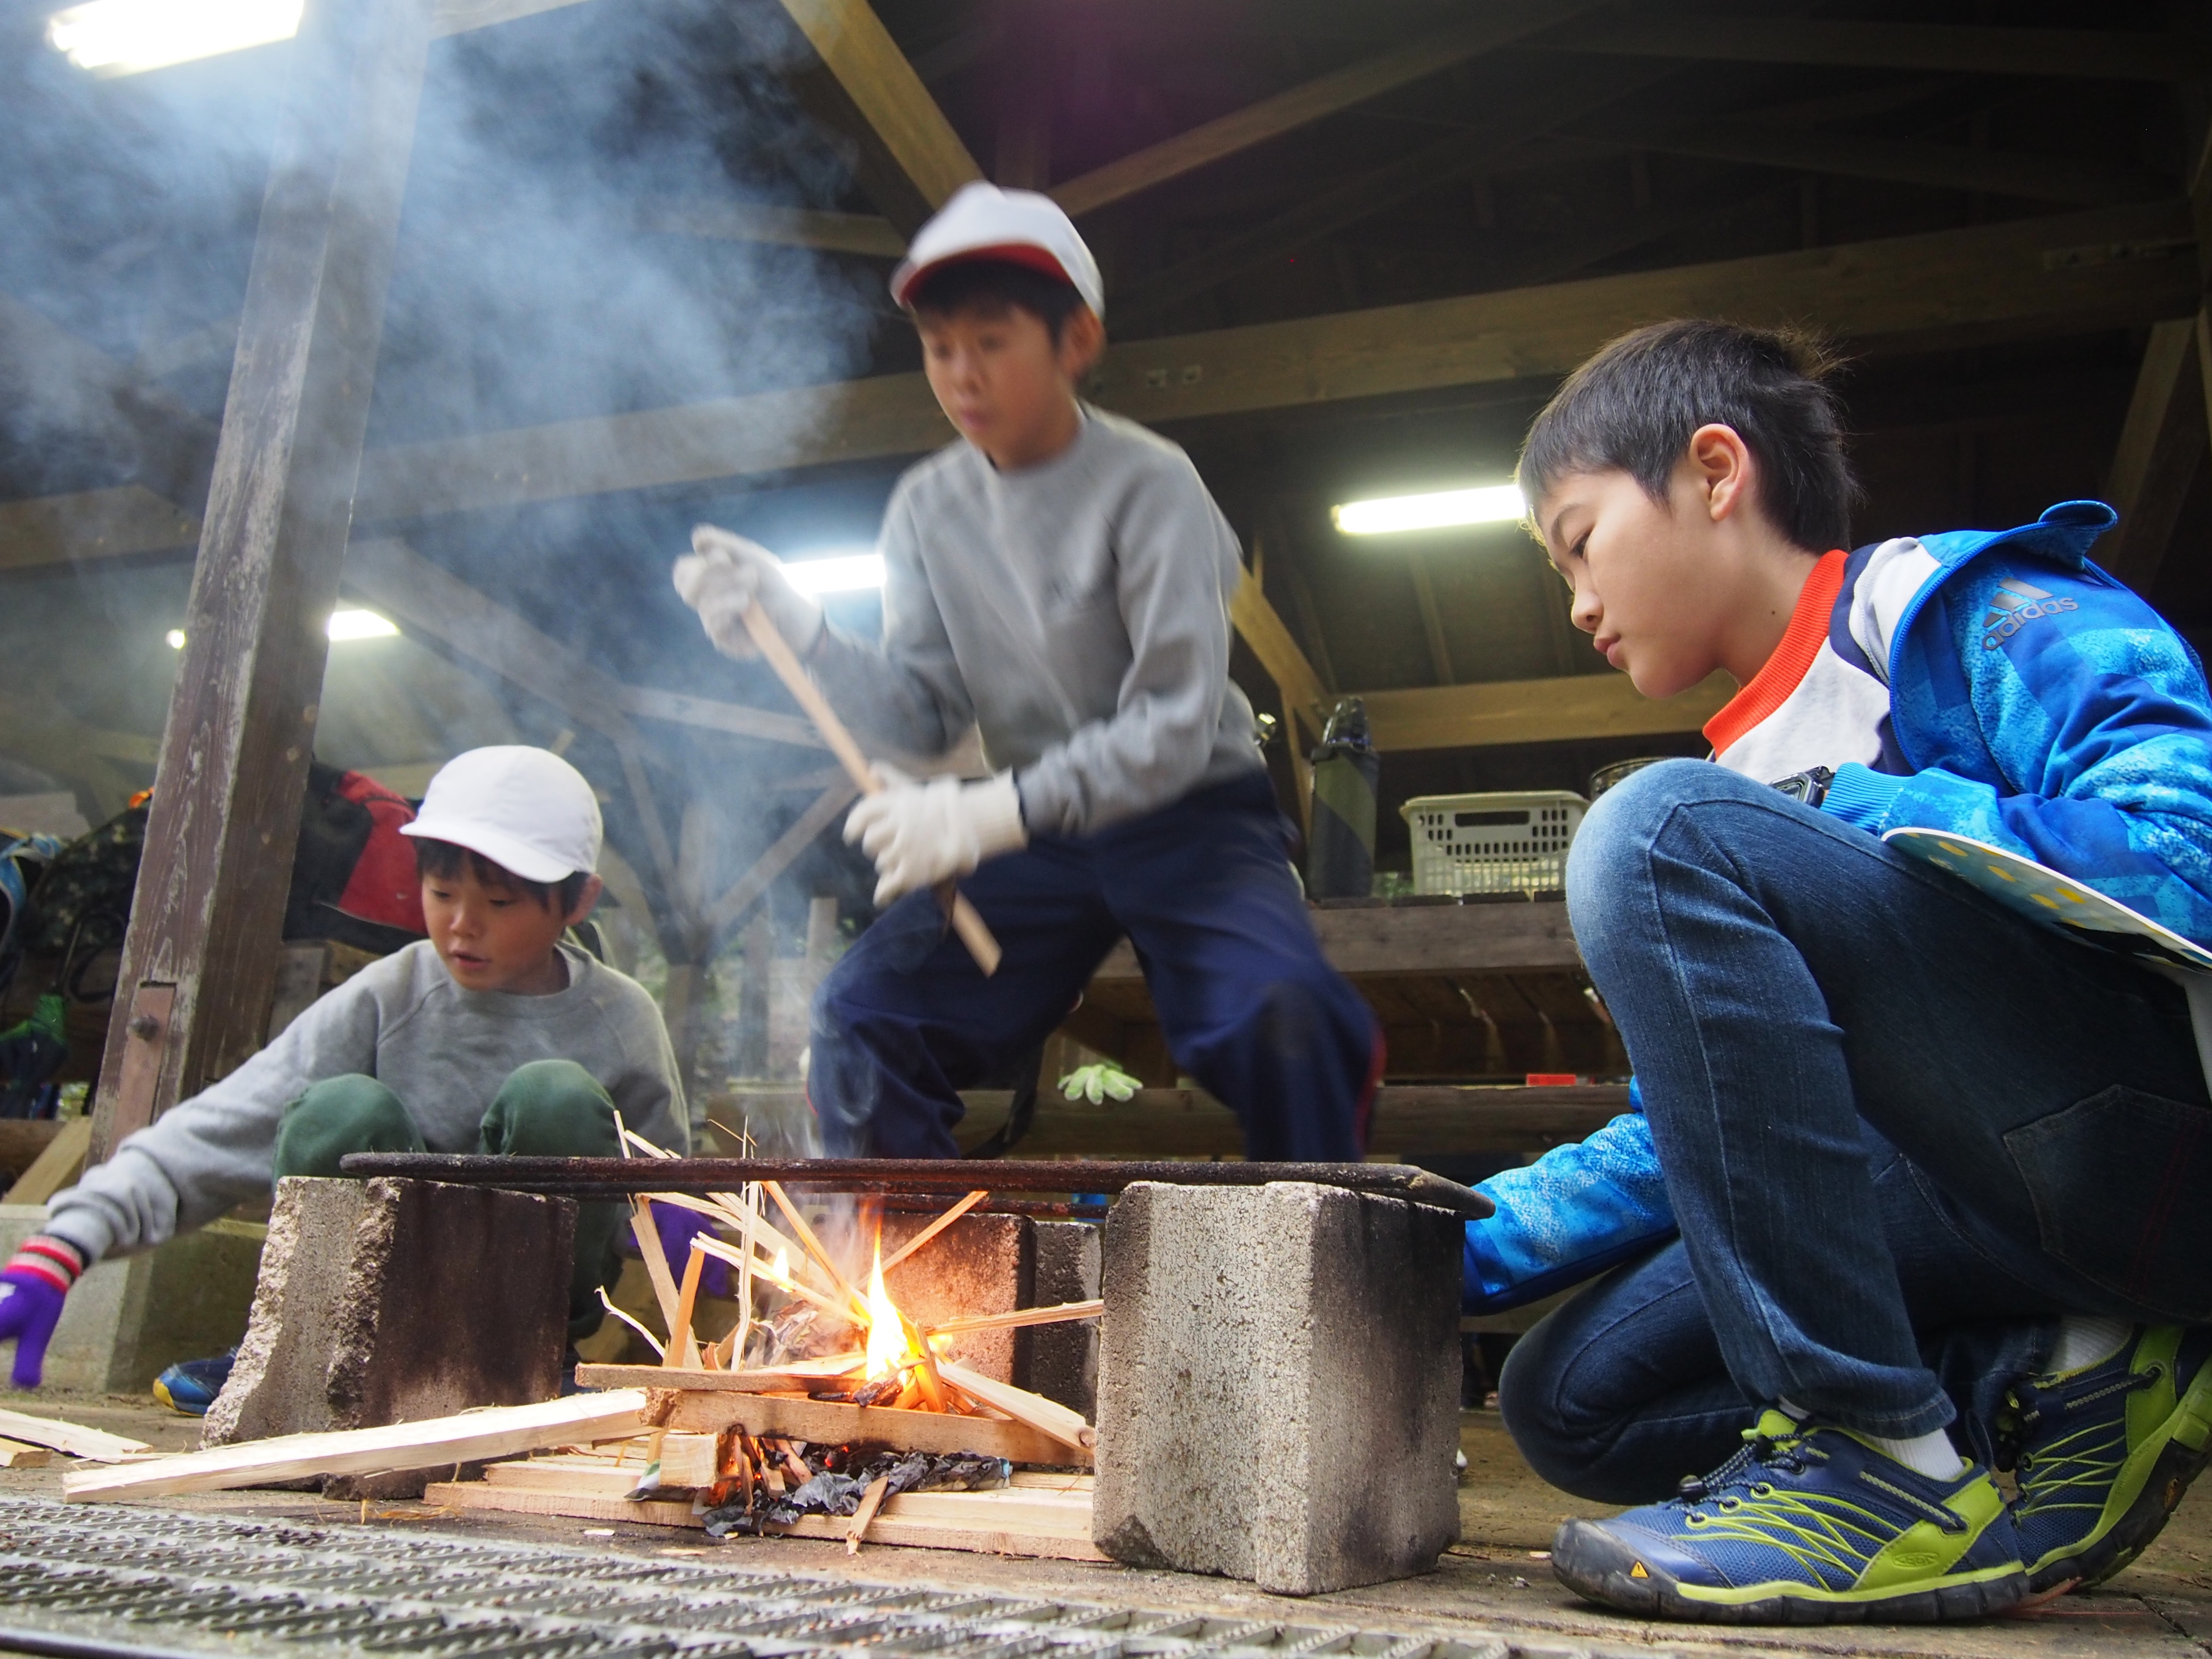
97 1581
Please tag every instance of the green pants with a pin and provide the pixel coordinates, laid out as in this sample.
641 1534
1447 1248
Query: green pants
548 1108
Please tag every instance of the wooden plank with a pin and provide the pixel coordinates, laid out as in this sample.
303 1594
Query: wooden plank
932 1534
580 1505
15 1455
1944 48
868 63
434 1443
22 1140
1511 935
241 732
55 1168
1492 26
2162 447
1569 707
93 523
73 1438
1046 1416
2109 267
1263 629
703 1405
867 233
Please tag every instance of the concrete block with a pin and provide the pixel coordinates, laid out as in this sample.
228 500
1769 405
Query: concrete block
981 1264
1279 1385
392 1301
1060 1361
131 1317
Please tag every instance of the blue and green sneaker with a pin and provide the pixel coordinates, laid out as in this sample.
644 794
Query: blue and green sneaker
1808 1524
2106 1452
189 1386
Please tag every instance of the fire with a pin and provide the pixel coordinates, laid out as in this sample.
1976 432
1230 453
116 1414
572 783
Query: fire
887 1344
781 1273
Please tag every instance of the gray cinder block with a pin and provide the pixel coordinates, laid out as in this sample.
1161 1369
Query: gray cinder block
981 1264
1279 1385
1060 1361
392 1301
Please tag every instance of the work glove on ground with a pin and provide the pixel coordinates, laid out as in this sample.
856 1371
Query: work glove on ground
678 1227
1098 1083
920 834
32 1288
724 574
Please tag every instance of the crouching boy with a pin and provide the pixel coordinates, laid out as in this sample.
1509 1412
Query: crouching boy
1061 580
1937 1168
491 1035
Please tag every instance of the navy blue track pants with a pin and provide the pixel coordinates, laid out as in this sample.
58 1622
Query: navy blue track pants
1203 888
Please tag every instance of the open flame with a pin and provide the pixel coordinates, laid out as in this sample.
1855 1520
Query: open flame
887 1345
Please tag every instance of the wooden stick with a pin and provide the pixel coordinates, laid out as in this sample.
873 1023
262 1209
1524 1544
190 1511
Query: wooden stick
652 1341
965 922
932 1230
774 1190
1047 1417
656 1261
870 1501
682 1349
829 1306
436 1443
73 1439
1058 1314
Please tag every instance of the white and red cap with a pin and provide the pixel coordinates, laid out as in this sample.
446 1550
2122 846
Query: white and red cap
1022 226
526 810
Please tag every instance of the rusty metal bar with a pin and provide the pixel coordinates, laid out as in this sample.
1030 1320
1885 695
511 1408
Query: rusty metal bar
613 1177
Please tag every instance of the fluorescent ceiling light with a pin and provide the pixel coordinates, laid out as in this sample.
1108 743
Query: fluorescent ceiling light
1492 504
844 573
176 639
123 36
348 624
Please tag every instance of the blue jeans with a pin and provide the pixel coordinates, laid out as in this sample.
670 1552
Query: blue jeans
1247 1002
1902 1128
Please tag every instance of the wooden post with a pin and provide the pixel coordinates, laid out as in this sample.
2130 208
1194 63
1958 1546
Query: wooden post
200 961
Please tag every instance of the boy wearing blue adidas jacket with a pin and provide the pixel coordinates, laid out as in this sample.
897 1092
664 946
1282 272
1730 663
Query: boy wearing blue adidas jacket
1915 1186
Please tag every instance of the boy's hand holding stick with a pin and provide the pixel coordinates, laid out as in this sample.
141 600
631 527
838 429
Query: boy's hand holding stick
966 921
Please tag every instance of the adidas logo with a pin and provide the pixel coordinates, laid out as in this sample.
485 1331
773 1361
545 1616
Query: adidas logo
2013 606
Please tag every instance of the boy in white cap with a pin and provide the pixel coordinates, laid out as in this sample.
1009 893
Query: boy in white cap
491 1035
1060 579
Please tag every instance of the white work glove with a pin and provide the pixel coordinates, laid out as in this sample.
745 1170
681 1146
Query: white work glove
723 574
920 834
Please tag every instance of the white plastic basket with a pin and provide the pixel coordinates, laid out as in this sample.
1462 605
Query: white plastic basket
1511 841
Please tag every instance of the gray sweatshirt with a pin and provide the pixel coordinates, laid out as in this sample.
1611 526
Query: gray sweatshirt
443 1050
1077 612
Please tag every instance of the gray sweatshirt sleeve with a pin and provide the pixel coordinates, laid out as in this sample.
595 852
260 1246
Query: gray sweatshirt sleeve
1173 554
908 693
208 1154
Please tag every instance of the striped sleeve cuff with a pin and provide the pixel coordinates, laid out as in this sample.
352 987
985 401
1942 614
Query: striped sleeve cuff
44 1256
1862 796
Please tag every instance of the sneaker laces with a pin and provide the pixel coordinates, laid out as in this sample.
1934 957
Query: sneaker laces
2067 1460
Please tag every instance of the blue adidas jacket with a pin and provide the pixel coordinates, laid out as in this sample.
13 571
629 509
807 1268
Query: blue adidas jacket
2075 730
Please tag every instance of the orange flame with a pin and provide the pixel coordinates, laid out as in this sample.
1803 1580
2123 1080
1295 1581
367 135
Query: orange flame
887 1344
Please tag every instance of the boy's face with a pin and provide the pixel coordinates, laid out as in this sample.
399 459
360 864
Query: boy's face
495 937
1659 585
1000 378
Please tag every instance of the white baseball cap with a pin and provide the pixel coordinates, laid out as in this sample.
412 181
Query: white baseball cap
526 810
1023 226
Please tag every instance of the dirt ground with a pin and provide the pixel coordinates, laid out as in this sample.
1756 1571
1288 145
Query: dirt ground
1495 1581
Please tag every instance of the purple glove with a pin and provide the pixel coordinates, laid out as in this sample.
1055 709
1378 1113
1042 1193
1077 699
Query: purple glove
678 1227
32 1288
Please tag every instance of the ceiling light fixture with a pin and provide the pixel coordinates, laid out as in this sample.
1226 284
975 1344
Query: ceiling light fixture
176 639
349 624
126 37
1388 515
844 573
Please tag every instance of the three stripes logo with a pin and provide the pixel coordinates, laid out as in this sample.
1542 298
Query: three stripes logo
2013 606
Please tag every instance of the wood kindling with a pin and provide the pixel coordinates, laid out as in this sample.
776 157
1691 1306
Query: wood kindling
73 1439
1015 1318
933 1229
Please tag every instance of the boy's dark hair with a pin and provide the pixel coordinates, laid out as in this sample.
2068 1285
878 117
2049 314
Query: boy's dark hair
993 285
1634 405
444 860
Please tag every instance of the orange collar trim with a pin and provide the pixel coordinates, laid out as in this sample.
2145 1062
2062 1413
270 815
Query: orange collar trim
1786 669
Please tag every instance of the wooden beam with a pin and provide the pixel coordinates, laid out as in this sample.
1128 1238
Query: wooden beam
760 222
1899 161
1506 125
1433 622
2162 447
1571 708
93 524
199 961
1492 26
1505 938
1949 48
2109 267
868 63
749 888
458 17
1251 616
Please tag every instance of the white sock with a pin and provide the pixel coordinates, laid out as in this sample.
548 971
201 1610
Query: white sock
1932 1454
2084 1338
